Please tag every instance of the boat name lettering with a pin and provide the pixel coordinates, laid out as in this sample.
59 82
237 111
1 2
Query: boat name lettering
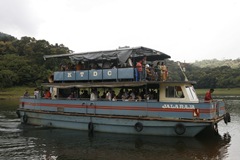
180 106
81 74
95 74
69 74
109 73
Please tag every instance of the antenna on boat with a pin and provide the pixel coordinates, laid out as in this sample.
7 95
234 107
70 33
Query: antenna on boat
183 71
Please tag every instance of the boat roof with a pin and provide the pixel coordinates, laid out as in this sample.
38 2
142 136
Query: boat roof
114 84
121 55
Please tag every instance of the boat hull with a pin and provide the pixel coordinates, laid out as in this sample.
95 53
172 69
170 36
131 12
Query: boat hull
114 124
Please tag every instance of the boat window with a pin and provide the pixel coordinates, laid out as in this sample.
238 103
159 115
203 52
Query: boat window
174 92
191 93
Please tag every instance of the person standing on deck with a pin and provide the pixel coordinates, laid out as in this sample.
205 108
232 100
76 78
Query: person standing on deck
144 63
163 72
47 94
36 93
208 95
140 70
158 71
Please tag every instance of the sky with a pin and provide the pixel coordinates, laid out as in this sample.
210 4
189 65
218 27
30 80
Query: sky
187 30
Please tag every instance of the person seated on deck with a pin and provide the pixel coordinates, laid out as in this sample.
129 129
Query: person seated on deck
138 98
71 96
36 93
106 65
124 98
109 95
130 98
26 94
114 98
93 95
84 94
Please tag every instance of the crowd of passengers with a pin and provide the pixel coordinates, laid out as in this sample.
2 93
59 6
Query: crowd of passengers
94 95
144 71
110 95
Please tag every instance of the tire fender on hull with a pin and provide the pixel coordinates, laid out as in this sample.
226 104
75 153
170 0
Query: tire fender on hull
18 114
227 118
138 126
25 119
180 129
90 127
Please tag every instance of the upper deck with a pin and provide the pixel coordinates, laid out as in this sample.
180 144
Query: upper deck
108 65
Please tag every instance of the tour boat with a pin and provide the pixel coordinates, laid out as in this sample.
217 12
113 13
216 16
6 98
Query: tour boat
103 93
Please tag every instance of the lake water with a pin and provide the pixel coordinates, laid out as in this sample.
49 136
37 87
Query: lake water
19 142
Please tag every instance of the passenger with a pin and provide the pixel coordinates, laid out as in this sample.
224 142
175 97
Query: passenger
150 73
119 96
124 98
106 65
138 98
103 95
63 67
163 72
126 93
144 63
36 93
208 95
47 94
26 94
114 98
93 95
129 62
158 71
140 70
84 94
78 66
130 98
70 67
71 96
132 94
109 95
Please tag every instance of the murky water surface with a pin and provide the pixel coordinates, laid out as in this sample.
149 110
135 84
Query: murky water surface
30 142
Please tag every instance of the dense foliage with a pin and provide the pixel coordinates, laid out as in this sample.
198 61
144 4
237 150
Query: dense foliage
22 63
207 77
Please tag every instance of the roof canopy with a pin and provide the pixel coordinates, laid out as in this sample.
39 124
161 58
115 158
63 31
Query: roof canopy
121 55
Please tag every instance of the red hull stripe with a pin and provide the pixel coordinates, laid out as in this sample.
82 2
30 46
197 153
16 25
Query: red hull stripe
130 108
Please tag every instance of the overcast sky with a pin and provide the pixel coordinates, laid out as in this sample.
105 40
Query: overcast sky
187 30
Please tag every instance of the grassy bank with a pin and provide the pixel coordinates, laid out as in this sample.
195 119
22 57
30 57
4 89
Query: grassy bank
220 91
15 92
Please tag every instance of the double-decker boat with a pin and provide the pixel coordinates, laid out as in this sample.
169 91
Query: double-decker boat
105 92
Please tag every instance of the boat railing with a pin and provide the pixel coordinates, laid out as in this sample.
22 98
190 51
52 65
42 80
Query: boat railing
115 74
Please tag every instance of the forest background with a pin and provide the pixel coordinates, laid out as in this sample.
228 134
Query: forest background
22 64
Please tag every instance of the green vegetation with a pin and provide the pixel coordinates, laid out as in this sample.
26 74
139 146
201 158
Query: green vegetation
214 63
15 92
220 91
22 64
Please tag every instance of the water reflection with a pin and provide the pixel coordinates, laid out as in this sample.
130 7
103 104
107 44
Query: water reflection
45 143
